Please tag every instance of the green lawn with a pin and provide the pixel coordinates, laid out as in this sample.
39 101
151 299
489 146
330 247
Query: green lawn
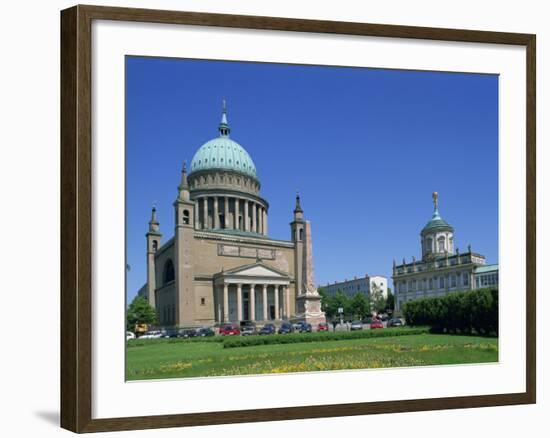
157 360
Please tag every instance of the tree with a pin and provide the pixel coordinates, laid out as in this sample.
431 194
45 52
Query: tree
327 304
390 301
342 300
140 312
360 306
377 299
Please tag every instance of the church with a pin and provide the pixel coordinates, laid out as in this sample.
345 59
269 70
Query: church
220 265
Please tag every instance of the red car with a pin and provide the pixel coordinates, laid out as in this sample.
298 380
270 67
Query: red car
323 327
376 324
230 329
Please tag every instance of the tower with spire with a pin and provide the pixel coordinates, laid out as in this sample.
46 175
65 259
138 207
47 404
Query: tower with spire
153 237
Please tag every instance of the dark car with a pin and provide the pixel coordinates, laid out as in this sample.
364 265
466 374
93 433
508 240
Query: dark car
187 333
376 324
395 322
268 329
285 328
367 320
230 329
170 333
323 327
304 327
205 331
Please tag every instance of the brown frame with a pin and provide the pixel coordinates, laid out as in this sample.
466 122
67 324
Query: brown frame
76 219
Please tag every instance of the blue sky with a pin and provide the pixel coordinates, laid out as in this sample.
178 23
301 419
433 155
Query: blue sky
365 148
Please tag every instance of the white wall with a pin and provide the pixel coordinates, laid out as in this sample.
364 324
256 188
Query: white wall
29 180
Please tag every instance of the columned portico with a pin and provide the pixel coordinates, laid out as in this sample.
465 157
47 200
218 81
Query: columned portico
240 301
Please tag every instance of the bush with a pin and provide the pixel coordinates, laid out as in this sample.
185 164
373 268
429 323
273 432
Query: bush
318 337
472 312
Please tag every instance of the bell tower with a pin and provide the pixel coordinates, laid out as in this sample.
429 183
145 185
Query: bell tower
184 209
153 244
297 227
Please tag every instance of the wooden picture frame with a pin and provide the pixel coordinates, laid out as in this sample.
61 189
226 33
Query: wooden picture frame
76 217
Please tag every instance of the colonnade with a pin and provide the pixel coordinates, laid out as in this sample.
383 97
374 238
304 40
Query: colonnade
230 212
254 302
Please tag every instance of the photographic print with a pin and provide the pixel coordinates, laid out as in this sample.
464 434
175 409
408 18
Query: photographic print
297 218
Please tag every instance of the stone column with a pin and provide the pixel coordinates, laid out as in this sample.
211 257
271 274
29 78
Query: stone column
197 221
245 218
252 302
225 303
236 215
239 302
276 292
254 205
286 294
219 300
260 221
226 212
264 302
205 212
265 221
216 218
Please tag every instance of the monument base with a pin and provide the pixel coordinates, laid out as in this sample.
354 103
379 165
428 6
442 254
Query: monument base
309 308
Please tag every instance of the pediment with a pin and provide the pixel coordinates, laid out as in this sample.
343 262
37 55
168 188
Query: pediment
256 270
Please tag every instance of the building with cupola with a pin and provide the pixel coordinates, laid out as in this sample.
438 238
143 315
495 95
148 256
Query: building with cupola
443 268
221 265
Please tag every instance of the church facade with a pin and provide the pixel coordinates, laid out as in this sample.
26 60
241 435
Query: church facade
442 268
220 265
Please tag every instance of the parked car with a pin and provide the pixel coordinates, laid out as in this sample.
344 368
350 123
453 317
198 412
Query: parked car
395 322
130 335
356 325
267 329
170 333
304 327
204 332
367 320
187 333
285 328
153 334
384 317
230 329
376 324
323 327
248 329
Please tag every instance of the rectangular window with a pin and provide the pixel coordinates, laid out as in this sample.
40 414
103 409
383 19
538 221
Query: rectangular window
431 283
453 280
441 283
465 279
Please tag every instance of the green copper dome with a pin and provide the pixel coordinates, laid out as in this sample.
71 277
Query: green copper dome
437 222
223 153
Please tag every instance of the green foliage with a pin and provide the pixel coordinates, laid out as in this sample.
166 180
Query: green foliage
460 312
390 301
377 299
140 312
359 306
249 341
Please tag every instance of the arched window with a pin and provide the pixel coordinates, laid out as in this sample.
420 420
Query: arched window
155 245
169 273
301 234
186 217
441 244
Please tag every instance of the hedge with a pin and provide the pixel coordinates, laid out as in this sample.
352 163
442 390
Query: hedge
472 312
249 341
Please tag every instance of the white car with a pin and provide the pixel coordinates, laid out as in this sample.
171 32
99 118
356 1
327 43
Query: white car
130 335
152 335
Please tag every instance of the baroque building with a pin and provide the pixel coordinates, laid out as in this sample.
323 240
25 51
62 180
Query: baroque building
221 266
442 268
